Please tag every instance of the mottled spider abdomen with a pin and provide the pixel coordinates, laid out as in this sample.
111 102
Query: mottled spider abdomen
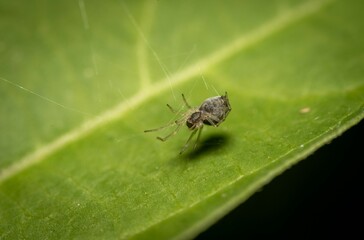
216 109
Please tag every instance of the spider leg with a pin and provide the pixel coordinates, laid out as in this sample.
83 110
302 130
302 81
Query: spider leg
160 128
188 141
198 136
171 108
185 101
227 101
212 123
178 122
211 119
163 139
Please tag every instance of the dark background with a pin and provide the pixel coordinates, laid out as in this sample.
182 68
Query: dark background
322 196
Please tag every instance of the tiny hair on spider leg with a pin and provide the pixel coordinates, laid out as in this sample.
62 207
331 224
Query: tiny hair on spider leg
212 112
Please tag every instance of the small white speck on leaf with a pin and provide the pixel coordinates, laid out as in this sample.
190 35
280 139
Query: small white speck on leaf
305 110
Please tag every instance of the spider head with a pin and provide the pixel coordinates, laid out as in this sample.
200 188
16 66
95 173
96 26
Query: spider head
194 120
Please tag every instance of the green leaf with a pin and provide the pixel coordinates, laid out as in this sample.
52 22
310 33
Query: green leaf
81 81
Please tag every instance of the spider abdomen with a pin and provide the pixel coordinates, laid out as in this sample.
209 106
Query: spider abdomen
215 109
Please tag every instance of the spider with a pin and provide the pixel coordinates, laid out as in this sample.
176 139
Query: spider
213 111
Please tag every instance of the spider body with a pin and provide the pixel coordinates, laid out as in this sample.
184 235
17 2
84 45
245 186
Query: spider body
213 111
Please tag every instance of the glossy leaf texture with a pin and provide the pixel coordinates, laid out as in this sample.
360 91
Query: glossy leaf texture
81 80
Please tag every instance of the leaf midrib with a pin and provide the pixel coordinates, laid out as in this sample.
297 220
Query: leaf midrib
267 29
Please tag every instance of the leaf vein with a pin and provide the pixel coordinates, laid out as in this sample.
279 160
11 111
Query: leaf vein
230 49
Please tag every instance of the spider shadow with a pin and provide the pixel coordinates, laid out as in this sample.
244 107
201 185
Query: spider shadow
208 146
